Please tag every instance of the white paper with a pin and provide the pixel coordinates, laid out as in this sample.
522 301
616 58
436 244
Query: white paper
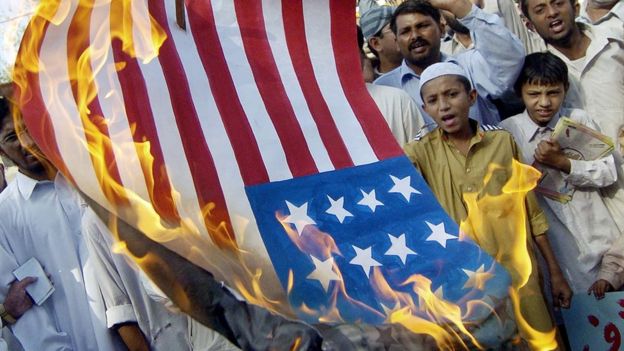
41 289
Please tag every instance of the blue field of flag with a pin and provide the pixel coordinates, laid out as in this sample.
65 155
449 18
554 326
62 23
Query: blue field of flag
380 216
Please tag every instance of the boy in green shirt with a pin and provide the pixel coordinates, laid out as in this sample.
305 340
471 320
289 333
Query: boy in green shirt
454 159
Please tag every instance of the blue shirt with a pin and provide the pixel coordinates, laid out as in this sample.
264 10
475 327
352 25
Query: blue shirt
492 66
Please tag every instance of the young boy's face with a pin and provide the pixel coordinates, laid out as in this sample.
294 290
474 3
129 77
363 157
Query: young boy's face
446 100
542 101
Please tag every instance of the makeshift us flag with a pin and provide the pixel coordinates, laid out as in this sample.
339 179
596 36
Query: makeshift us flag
249 145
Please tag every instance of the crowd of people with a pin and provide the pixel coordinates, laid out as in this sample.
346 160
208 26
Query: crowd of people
483 102
462 85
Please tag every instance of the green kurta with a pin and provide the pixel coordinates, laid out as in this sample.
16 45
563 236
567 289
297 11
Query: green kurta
458 182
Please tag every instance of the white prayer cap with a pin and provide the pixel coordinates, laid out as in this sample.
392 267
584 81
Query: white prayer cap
441 69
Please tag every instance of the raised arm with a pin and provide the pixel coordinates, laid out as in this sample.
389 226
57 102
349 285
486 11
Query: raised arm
498 55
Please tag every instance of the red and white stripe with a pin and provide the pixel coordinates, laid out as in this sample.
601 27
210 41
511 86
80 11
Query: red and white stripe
252 92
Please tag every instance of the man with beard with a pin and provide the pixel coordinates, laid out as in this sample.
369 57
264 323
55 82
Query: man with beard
595 60
492 66
40 218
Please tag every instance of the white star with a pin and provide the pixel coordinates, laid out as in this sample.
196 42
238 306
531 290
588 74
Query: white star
439 293
403 187
439 234
298 216
364 259
323 272
387 310
478 278
370 200
399 248
337 209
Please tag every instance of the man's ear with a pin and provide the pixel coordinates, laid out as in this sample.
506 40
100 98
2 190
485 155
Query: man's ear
577 8
374 43
472 96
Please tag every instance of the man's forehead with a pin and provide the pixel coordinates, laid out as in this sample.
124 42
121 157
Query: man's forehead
408 19
533 3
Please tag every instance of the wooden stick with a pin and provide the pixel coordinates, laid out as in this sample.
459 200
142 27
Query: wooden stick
180 18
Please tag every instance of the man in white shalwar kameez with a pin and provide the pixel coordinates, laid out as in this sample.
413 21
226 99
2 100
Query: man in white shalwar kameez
40 217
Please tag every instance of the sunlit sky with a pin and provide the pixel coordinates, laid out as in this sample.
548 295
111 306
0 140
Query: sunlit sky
14 15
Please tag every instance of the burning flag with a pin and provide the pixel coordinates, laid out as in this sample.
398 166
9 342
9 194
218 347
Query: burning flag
248 144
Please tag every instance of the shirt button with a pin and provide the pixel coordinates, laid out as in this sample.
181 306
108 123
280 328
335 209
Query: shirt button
467 170
469 188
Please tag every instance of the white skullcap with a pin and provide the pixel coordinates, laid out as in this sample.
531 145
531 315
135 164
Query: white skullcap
441 69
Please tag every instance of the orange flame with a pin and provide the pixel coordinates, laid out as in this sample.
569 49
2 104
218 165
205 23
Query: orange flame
490 216
431 314
141 38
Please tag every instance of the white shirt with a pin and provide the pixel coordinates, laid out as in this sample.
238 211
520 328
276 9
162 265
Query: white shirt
399 110
614 18
125 299
598 87
3 345
582 230
41 219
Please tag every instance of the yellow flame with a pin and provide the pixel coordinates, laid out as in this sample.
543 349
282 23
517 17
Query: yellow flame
492 215
141 38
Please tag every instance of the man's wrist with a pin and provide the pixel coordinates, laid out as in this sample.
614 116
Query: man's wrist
6 316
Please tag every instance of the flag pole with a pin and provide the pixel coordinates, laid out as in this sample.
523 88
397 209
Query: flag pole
180 18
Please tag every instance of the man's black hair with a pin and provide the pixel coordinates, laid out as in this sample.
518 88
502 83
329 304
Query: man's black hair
414 6
524 7
360 38
5 108
542 68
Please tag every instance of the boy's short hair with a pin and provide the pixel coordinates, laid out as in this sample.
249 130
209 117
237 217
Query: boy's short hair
414 6
542 68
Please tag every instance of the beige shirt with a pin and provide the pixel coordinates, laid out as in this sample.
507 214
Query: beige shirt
399 110
450 174
495 226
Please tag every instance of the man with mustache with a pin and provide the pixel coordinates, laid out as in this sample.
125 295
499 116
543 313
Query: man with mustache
492 66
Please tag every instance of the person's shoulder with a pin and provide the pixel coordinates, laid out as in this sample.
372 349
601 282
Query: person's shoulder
426 134
576 114
424 142
387 90
611 33
514 120
391 78
496 133
491 128
390 90
8 196
10 205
